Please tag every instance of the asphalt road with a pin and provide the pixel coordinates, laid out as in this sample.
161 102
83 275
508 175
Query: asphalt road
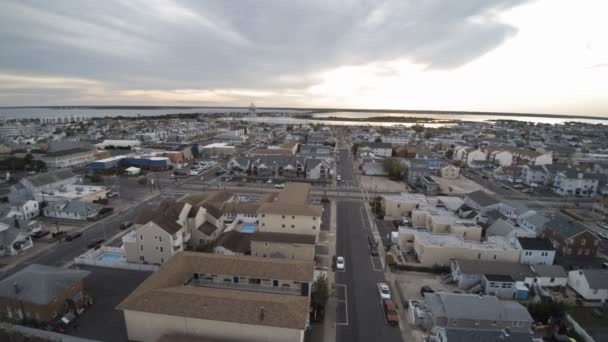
345 168
365 315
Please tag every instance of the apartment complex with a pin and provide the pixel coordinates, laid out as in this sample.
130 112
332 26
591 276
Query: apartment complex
236 298
291 212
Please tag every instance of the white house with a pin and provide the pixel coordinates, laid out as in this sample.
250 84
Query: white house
24 210
534 175
591 284
574 183
535 251
550 275
317 169
450 171
74 209
379 149
501 157
13 240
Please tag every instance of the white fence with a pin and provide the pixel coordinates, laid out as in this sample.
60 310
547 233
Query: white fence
90 259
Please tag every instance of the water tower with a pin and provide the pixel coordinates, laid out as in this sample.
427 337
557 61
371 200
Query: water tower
252 111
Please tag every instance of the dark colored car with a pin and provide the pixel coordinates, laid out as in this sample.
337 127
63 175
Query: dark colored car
126 225
426 289
390 312
373 249
95 243
73 236
39 234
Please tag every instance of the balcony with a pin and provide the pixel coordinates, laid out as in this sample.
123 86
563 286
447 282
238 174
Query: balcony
246 287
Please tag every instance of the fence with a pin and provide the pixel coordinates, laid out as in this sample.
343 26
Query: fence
90 259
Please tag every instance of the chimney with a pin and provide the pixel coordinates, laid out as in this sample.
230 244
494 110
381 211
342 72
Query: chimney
262 313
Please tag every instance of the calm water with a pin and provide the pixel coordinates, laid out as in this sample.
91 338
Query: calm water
17 113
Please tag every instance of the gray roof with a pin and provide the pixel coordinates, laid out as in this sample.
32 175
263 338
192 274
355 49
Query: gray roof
39 284
553 271
597 278
50 177
500 227
477 335
566 226
536 244
537 220
485 308
514 269
482 198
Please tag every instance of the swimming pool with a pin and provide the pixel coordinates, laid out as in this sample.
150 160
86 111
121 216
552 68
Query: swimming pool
248 228
109 257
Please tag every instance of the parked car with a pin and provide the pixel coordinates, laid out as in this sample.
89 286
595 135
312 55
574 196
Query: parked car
390 312
111 194
72 236
373 250
269 181
279 186
39 234
384 290
126 225
95 243
220 172
426 289
340 263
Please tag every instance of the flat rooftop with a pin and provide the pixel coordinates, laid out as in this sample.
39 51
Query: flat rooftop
446 240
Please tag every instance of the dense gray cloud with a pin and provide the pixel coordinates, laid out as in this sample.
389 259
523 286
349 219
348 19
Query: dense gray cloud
255 44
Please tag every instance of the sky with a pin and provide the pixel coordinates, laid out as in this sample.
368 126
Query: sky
532 56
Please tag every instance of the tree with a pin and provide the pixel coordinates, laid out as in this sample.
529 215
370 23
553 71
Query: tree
541 312
393 167
355 148
378 140
319 296
449 153
418 128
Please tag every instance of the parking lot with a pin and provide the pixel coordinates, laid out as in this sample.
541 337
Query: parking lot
108 287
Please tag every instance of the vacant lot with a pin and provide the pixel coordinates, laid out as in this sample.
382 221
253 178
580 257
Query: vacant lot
460 185
381 184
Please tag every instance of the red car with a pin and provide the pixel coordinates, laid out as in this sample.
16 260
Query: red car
390 312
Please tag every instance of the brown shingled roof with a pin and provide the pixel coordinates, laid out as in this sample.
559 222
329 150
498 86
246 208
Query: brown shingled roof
290 209
283 237
164 292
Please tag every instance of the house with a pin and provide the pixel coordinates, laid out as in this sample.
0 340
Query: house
77 157
283 246
239 166
510 174
379 149
429 186
591 284
574 183
46 181
550 275
74 209
570 237
483 202
467 156
397 206
504 228
532 221
13 240
317 169
291 212
42 293
535 251
24 210
443 309
534 175
217 297
449 171
163 235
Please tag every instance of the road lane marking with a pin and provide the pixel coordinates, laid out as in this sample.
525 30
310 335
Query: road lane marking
345 301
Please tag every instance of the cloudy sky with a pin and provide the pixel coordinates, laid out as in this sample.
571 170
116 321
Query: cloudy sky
544 56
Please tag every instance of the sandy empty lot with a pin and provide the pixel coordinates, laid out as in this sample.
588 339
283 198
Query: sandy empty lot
381 184
460 185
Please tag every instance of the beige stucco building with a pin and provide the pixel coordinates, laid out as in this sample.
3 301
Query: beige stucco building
440 249
291 212
441 221
233 298
283 246
397 206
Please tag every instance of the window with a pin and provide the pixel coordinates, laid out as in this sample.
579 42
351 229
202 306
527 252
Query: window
283 225
494 256
263 215
314 218
314 227
293 226
160 238
293 217
283 217
141 257
552 280
161 249
583 241
263 224
141 237
141 247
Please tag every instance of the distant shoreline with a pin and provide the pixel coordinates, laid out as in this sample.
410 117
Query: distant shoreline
330 110
395 119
